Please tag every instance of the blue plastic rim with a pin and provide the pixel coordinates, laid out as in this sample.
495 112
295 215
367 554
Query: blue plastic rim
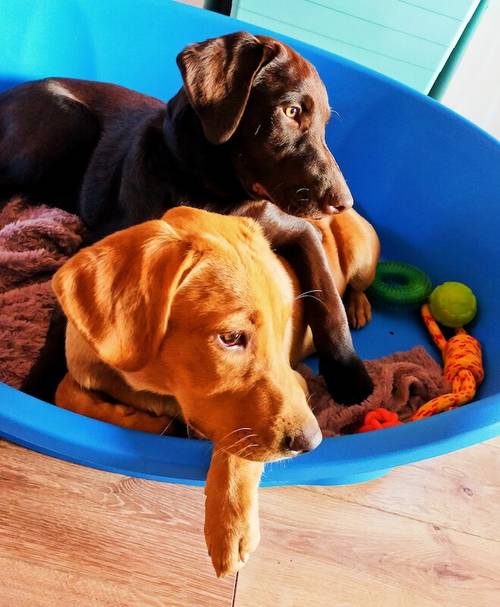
428 180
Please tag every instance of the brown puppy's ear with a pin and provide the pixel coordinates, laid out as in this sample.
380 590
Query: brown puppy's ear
118 292
218 75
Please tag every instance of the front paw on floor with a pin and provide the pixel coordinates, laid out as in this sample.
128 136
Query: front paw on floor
231 541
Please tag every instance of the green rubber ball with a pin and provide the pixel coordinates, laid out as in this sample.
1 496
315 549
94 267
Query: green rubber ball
453 304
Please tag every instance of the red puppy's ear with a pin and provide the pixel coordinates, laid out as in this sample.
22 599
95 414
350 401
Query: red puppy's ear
118 293
218 75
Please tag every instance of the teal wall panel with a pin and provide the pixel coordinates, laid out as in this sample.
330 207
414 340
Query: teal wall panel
404 39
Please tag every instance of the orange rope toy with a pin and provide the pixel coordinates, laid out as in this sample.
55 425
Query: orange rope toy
376 419
463 367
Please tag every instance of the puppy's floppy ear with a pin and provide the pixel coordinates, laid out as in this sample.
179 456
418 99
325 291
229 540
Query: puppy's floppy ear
218 75
118 292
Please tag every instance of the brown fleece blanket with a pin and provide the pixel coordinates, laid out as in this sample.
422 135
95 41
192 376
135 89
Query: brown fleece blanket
34 242
403 381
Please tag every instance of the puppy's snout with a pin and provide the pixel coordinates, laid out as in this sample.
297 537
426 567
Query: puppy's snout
304 441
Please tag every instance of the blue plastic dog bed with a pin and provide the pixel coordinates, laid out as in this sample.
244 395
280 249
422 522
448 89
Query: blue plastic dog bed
427 179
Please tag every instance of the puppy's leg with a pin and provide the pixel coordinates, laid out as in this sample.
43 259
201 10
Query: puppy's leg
358 307
99 377
301 245
357 250
89 372
71 396
232 528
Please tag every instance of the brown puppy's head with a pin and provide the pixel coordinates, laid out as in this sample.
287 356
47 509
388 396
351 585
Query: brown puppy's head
196 305
271 107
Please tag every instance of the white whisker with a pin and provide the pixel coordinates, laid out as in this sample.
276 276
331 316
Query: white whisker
244 438
310 296
336 113
188 427
240 453
228 449
229 433
162 433
311 291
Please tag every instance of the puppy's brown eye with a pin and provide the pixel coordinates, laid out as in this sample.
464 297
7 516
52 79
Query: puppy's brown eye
233 339
292 111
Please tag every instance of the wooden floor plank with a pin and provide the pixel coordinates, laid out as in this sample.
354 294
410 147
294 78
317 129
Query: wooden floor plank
319 552
456 491
70 533
32 585
492 443
79 537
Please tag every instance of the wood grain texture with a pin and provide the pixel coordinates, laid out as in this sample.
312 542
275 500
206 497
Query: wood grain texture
377 544
426 535
457 491
74 536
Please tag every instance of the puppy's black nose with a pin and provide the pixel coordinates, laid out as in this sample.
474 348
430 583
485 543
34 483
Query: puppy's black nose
303 442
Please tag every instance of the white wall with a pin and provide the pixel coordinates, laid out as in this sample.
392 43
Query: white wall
474 90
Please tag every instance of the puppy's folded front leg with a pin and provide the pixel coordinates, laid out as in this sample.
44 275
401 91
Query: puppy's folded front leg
301 244
231 511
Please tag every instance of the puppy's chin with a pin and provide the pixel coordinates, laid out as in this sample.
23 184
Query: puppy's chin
260 454
271 456
310 210
314 210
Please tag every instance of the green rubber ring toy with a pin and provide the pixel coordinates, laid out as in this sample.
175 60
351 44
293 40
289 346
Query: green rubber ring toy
399 284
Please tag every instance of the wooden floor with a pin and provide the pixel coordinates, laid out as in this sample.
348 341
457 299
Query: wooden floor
426 535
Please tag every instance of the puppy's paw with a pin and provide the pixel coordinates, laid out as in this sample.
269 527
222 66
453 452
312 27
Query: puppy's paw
358 309
348 382
230 538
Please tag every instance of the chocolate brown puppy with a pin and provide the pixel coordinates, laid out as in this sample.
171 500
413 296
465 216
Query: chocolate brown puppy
244 135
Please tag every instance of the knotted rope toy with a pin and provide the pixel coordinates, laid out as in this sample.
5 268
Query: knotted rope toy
453 304
463 367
